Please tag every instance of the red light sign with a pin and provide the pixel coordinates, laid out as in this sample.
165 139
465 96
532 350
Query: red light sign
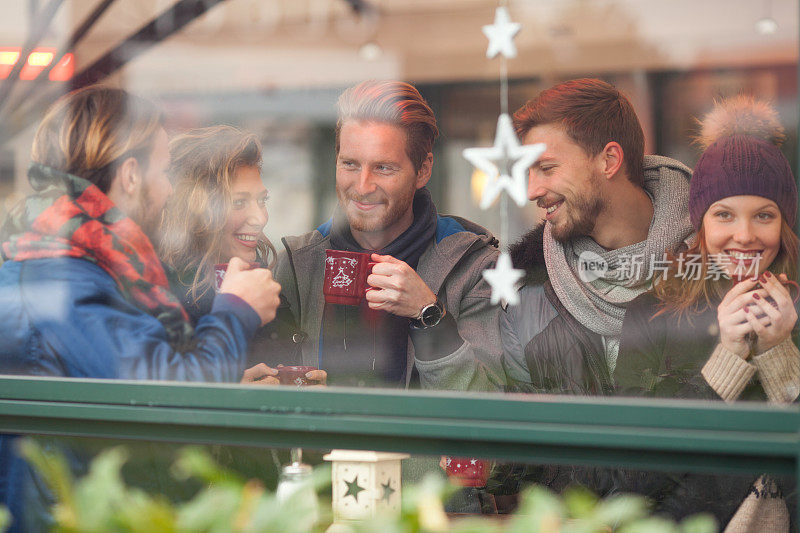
64 69
37 61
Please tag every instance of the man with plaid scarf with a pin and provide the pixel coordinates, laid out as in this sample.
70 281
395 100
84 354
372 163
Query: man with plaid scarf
82 291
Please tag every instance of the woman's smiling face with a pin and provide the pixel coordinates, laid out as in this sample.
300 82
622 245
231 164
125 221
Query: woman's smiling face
247 217
743 234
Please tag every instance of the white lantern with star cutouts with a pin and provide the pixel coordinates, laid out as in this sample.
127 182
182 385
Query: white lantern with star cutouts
364 483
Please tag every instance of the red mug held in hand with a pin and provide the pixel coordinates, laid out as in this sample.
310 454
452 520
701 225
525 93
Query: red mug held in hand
346 276
295 375
219 274
791 286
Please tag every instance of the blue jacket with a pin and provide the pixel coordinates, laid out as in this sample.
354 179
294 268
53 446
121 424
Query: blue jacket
66 317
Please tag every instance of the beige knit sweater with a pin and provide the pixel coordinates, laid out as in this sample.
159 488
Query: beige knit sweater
778 369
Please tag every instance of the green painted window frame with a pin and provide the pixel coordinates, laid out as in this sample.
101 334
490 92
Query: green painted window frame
663 435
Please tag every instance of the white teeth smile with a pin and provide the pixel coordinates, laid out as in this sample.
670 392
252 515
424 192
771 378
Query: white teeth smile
553 208
250 238
743 256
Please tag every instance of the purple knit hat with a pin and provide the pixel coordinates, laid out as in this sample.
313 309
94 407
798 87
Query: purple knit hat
742 158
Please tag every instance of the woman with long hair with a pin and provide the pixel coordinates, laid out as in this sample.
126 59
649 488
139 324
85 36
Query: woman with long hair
721 320
218 211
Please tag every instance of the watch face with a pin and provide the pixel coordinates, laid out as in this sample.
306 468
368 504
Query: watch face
431 315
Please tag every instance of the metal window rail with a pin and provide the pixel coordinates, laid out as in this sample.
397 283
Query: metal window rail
634 433
662 434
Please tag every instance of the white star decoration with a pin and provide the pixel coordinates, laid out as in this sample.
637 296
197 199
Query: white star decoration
501 34
506 148
503 279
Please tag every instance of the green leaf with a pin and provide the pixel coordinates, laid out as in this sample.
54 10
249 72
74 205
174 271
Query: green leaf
101 493
582 526
5 519
622 509
699 523
209 510
579 502
650 525
53 468
539 511
145 514
476 525
194 461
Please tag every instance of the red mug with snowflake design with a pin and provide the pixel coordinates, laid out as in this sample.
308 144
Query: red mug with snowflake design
219 274
467 471
346 277
221 268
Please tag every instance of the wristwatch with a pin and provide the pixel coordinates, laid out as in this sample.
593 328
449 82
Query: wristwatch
430 316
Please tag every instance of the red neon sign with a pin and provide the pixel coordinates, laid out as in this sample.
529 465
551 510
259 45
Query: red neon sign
37 61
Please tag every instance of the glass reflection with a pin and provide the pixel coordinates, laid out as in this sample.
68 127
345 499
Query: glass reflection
83 291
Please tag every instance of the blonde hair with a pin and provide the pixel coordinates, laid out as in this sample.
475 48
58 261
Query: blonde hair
90 131
687 297
204 162
392 102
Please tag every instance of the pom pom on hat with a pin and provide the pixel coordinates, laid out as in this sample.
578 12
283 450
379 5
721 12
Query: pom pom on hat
742 158
741 115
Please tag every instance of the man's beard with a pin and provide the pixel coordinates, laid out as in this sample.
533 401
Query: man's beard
370 224
581 214
149 222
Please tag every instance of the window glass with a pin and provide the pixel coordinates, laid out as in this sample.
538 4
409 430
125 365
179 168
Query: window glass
231 149
236 149
263 80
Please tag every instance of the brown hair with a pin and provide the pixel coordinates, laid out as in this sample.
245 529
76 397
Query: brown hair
204 162
593 114
687 297
90 131
396 103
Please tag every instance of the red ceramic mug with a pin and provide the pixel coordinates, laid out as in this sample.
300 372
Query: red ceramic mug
467 471
295 375
791 286
219 274
221 268
346 276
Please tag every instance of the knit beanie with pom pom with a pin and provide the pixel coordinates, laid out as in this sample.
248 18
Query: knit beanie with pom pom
741 139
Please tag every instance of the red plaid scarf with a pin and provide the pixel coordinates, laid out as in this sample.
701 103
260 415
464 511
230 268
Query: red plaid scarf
70 217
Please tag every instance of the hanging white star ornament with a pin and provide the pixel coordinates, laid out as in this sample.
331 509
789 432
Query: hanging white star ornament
507 149
501 34
503 279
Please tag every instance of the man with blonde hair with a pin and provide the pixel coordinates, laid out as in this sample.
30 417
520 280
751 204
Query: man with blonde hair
427 319
82 292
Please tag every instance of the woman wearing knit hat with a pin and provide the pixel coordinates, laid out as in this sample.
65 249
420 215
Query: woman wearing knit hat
720 321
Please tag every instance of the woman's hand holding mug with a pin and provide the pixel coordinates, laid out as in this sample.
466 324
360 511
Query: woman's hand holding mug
759 308
779 314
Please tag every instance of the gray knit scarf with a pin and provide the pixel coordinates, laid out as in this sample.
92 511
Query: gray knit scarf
600 304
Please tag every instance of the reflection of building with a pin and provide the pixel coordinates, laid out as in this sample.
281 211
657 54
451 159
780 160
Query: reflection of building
277 67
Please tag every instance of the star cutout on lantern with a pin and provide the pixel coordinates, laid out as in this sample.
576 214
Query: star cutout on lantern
387 490
503 278
353 488
507 150
501 34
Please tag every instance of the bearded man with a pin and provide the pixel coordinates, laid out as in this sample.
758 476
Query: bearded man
427 320
83 293
610 214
